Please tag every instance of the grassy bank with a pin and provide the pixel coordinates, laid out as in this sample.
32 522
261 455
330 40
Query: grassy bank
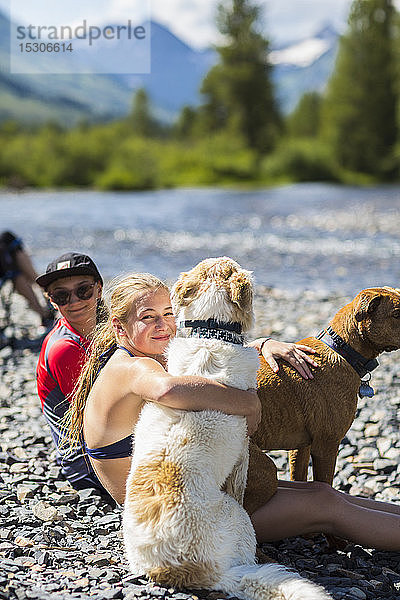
111 157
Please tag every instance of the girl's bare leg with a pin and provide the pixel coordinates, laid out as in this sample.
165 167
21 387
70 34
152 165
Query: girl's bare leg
298 508
365 502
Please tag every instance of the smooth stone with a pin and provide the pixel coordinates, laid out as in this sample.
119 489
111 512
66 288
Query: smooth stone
19 467
66 511
25 491
372 430
393 453
96 573
134 591
66 487
23 542
357 593
384 465
45 511
80 583
383 446
92 510
366 454
99 560
42 557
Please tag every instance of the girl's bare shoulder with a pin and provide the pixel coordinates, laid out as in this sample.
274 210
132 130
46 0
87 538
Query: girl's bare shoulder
124 365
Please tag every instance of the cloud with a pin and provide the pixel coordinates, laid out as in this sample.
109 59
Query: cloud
296 19
194 20
136 10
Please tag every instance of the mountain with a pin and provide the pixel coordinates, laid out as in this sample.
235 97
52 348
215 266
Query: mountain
177 71
67 99
304 66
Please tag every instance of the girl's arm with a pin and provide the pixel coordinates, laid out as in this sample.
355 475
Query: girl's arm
151 382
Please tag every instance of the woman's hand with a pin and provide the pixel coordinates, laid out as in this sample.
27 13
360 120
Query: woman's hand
294 354
254 417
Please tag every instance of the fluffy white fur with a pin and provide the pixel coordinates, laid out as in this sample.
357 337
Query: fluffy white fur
204 526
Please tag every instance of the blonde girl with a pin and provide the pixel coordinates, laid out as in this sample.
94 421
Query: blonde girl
126 368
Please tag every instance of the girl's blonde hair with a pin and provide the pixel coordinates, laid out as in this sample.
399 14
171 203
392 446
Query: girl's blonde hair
120 295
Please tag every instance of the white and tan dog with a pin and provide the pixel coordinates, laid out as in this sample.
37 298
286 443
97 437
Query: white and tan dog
179 527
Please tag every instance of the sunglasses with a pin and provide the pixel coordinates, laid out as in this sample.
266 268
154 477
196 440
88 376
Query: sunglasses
63 297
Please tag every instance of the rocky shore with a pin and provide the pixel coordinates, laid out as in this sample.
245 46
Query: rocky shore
56 543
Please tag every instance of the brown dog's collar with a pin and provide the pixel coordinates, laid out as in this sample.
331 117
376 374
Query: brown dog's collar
360 364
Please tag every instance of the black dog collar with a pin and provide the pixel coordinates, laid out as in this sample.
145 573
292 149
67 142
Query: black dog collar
360 364
213 329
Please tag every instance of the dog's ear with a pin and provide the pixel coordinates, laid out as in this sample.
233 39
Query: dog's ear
182 289
366 305
241 289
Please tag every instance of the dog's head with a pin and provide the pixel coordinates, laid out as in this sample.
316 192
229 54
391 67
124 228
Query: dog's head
216 288
377 315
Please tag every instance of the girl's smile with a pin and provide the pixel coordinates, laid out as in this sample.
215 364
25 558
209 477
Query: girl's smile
151 324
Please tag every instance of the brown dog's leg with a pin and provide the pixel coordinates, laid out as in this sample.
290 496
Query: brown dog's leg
324 464
298 463
262 481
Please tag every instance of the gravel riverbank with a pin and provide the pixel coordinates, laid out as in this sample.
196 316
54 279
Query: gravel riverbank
56 543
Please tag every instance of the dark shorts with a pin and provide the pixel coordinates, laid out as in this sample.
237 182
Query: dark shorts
9 246
86 478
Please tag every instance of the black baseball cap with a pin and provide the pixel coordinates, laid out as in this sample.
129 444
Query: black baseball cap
67 265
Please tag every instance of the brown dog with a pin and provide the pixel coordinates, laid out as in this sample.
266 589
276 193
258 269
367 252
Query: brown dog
312 416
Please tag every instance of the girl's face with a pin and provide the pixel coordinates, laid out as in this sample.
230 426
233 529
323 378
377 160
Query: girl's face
151 324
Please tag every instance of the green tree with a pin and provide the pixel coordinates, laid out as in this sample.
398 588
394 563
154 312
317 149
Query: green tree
304 121
141 119
238 90
185 124
359 113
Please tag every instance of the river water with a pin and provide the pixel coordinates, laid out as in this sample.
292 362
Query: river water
306 236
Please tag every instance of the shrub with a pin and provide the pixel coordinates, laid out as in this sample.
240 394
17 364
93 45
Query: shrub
133 166
300 160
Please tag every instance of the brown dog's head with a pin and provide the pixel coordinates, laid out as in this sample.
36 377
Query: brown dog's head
377 315
216 288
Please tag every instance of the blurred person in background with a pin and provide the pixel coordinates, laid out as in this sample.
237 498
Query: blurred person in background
16 266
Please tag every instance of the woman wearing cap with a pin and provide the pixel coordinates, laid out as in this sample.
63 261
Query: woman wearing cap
74 285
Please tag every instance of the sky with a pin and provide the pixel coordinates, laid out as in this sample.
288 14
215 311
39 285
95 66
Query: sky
191 20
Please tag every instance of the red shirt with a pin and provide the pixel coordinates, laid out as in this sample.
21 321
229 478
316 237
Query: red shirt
60 362
61 358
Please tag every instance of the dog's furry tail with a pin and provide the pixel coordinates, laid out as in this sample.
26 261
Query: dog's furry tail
269 582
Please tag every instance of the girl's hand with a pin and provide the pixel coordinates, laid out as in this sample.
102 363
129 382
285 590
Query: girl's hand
294 354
